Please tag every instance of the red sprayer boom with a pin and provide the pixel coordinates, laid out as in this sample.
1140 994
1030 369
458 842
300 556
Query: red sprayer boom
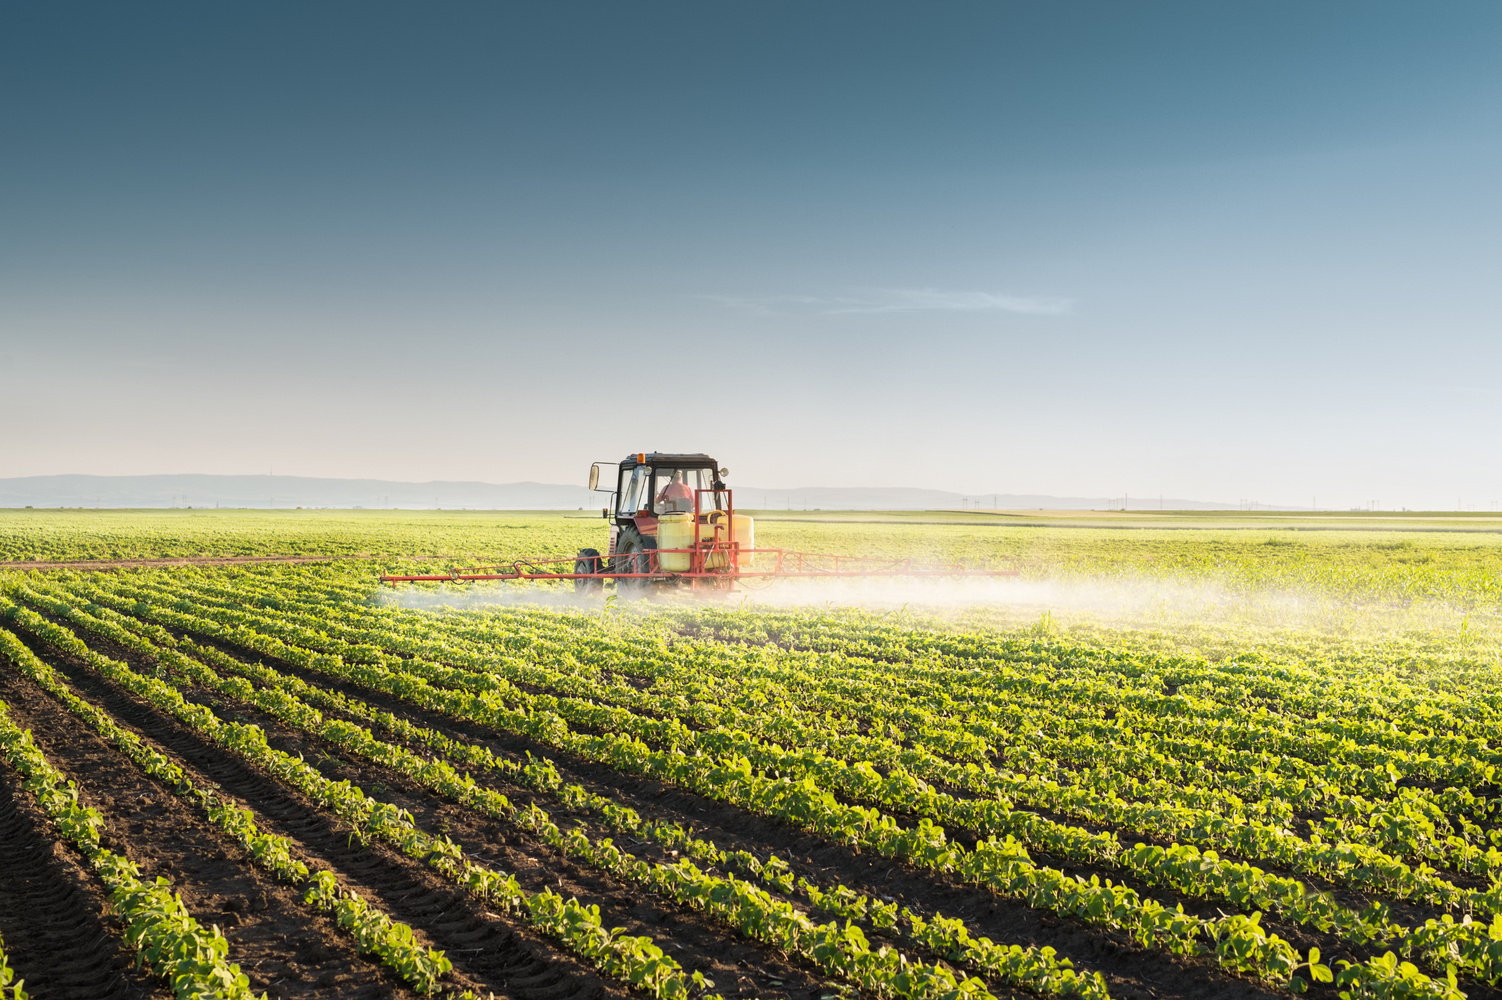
674 524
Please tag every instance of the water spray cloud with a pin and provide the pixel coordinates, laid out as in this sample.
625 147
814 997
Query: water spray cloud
1132 602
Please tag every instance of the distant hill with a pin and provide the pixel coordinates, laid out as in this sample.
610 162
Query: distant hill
913 498
300 491
282 491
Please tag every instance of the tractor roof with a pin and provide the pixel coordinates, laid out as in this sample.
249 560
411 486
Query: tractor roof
655 458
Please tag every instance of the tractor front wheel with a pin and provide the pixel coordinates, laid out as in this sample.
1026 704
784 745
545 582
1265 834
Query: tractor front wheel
634 553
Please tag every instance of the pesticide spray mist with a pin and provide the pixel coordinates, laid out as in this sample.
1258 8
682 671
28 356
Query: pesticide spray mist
1118 601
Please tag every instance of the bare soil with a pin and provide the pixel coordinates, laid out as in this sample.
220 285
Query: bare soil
739 966
490 951
58 938
280 944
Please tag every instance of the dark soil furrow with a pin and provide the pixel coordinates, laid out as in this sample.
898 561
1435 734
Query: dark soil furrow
494 955
692 939
57 938
271 935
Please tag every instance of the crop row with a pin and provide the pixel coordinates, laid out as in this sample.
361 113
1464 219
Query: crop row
167 939
374 932
636 960
1180 867
1159 769
841 950
866 827
1036 968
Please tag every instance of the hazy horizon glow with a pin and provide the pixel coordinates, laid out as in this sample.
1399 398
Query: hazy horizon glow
1219 252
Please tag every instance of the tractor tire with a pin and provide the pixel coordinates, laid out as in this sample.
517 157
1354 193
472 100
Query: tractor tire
634 553
589 561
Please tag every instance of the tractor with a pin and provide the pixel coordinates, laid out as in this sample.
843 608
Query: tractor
672 523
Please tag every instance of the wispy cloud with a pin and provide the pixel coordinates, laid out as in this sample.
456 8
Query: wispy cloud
895 300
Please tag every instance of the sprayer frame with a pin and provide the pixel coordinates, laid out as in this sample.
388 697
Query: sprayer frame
784 564
770 563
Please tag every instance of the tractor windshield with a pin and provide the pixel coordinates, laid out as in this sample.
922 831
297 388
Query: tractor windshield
673 489
631 490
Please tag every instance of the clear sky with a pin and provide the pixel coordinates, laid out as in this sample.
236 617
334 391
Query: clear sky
1213 250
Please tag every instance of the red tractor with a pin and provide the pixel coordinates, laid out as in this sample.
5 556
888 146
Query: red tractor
672 521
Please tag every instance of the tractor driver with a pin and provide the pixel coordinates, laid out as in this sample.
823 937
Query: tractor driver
676 495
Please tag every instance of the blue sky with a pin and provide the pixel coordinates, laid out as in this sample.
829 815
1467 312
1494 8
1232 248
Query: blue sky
1208 250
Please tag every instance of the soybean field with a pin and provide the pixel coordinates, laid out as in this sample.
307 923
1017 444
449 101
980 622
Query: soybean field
1175 757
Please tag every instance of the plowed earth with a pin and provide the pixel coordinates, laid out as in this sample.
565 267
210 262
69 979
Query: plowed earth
58 939
272 937
278 942
739 968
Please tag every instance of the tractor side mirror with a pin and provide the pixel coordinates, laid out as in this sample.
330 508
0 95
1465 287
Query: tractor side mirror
724 473
594 475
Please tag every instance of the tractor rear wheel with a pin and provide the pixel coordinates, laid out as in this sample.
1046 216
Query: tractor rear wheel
588 561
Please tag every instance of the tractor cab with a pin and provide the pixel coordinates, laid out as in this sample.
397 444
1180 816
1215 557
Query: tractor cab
660 501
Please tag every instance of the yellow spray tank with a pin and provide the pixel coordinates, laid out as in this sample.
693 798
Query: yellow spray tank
741 528
675 530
